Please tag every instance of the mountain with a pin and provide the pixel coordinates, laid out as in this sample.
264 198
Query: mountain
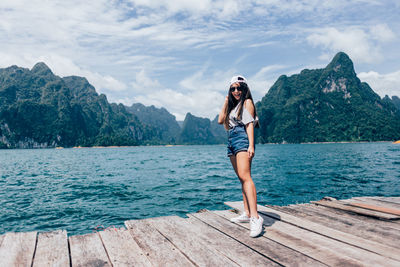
166 128
218 131
200 131
192 131
395 101
40 109
325 105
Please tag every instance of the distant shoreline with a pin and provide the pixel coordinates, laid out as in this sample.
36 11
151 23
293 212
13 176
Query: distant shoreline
170 145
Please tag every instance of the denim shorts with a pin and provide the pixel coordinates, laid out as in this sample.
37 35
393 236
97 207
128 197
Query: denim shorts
237 140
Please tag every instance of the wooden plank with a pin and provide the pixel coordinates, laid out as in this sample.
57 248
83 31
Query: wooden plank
17 249
350 245
281 253
122 249
376 208
302 242
221 243
88 250
52 249
341 205
372 222
193 247
374 201
390 199
370 206
159 250
359 228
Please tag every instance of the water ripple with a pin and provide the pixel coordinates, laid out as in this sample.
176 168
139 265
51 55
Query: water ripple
80 189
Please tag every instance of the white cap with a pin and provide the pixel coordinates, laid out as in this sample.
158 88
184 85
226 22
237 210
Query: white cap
238 79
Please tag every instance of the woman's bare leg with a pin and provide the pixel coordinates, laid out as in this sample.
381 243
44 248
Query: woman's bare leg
243 165
245 202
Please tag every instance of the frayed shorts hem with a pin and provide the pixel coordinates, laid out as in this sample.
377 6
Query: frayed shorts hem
243 150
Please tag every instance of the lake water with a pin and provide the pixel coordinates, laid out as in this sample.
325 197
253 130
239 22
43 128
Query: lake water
81 189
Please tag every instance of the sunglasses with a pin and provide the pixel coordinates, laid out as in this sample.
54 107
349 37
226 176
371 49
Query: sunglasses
233 88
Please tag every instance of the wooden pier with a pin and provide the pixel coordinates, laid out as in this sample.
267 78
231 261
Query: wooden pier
362 231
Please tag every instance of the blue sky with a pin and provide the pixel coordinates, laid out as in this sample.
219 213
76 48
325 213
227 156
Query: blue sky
181 54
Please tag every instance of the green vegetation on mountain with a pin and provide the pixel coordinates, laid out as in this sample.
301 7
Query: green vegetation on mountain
40 109
395 101
165 127
325 105
194 130
200 131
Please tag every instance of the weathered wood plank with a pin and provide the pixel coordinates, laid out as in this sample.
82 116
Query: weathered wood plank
193 247
88 250
361 229
347 244
370 206
390 199
269 247
341 205
159 250
52 249
371 221
300 243
219 242
122 249
378 202
17 249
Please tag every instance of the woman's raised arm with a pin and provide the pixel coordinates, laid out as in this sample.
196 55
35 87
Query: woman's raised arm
221 117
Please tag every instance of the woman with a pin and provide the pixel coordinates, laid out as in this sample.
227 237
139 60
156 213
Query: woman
239 117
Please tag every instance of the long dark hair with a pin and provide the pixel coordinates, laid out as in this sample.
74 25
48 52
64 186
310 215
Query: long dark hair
232 103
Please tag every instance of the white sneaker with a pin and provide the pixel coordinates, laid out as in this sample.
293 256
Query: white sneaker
240 219
256 226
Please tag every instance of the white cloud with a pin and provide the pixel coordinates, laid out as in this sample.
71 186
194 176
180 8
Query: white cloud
352 41
207 79
230 9
382 32
268 43
203 103
363 45
382 84
143 83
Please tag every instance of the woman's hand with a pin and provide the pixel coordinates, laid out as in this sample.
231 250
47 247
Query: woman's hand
250 151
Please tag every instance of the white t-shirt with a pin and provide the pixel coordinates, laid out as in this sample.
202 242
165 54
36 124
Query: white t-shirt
246 117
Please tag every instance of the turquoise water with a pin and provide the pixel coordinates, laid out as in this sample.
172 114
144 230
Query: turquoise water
81 189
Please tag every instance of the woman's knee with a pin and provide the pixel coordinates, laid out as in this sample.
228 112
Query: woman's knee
244 177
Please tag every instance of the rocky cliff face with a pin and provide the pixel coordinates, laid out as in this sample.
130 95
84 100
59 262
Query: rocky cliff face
325 105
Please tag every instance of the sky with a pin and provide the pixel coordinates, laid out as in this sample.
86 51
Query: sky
181 54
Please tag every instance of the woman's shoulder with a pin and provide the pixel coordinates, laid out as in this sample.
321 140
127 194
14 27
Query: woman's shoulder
249 107
248 104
